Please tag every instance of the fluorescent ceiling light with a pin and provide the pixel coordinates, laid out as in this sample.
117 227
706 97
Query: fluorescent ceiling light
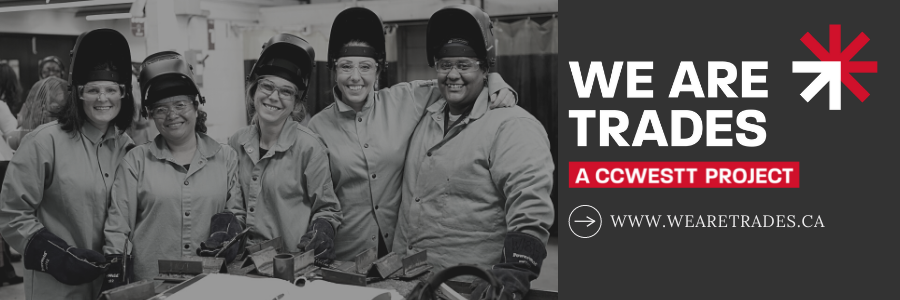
108 17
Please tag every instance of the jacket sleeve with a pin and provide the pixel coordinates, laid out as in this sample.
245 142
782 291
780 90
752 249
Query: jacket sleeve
28 174
235 202
122 207
521 166
320 189
419 93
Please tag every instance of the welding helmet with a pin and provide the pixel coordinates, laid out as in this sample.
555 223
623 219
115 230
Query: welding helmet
96 47
287 56
357 23
456 23
166 74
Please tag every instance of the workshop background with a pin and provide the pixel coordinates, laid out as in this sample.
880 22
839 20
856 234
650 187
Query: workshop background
222 39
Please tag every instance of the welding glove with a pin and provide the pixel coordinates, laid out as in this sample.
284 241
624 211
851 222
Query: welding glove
119 272
520 264
224 227
48 253
321 238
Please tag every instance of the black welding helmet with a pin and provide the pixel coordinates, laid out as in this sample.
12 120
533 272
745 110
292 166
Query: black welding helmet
460 24
166 74
357 23
287 56
97 47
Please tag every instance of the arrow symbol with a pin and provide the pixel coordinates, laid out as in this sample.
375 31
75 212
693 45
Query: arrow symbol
589 221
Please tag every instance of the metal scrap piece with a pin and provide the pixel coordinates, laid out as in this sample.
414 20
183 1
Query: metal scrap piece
388 265
263 261
365 259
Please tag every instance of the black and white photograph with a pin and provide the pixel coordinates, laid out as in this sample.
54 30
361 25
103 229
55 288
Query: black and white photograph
279 149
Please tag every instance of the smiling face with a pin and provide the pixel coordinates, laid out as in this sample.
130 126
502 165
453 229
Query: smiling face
175 117
460 87
102 101
274 99
355 79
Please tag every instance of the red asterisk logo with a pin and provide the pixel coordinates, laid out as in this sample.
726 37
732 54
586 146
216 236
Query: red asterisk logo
835 54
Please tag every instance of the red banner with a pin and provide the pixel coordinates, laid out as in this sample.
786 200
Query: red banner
642 174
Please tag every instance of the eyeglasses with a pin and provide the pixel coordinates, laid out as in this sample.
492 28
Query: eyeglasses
464 66
364 68
93 92
267 87
161 112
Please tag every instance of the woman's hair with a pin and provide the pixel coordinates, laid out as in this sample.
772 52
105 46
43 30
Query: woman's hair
38 101
72 115
200 126
10 88
298 114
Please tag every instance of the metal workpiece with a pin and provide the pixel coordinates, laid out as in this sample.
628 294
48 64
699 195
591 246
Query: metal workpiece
415 265
365 259
284 266
262 260
388 265
276 243
140 290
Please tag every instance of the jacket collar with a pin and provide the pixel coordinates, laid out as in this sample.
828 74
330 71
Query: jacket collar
95 135
286 138
206 146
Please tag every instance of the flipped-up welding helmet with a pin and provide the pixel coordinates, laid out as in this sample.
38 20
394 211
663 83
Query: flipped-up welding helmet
97 47
357 23
166 74
460 22
288 57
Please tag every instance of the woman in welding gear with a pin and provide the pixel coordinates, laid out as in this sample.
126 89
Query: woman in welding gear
476 187
54 199
172 194
367 131
283 165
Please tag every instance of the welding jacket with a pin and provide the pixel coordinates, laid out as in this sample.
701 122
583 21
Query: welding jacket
163 209
462 193
367 150
288 187
60 181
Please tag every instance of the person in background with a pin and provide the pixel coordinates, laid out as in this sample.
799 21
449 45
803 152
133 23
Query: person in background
44 101
284 170
170 194
51 66
476 186
54 199
10 98
367 131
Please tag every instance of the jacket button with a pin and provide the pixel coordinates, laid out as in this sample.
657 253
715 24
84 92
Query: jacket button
376 206
366 146
410 247
252 209
373 176
385 235
359 119
187 246
187 214
373 237
417 199
255 177
185 182
106 174
429 154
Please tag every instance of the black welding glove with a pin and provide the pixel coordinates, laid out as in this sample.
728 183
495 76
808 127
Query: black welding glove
223 227
119 272
321 238
48 253
521 263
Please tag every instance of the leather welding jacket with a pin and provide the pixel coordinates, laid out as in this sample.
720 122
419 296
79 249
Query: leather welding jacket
60 181
288 187
462 193
367 151
165 209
